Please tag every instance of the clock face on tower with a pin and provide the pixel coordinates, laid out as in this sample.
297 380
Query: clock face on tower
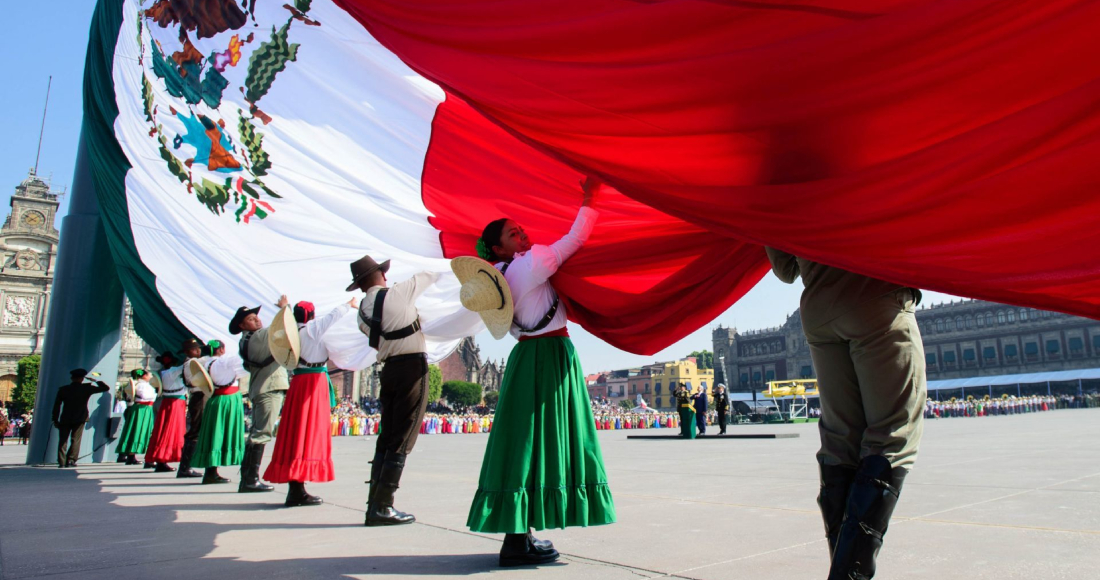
33 219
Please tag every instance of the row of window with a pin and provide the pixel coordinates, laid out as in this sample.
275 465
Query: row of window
988 319
1011 352
757 378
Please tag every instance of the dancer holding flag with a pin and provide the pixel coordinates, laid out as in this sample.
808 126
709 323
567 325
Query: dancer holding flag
221 437
543 467
139 419
166 442
388 316
303 449
266 390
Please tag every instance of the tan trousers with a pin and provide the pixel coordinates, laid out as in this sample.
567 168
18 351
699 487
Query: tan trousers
870 372
265 411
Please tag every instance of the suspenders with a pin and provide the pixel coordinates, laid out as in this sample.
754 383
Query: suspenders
375 323
243 351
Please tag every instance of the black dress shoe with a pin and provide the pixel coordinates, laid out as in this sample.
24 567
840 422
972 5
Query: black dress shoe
211 476
186 473
297 496
164 468
257 487
518 551
149 466
540 546
387 516
131 460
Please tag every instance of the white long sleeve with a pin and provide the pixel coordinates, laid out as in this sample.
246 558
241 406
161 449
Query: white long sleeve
529 273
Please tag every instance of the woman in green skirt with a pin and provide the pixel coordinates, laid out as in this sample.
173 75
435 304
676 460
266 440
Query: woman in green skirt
543 467
221 436
139 419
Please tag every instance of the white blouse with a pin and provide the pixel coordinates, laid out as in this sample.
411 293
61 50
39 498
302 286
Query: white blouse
227 369
144 392
529 273
310 333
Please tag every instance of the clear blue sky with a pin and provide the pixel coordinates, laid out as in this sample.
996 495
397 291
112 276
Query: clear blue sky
44 39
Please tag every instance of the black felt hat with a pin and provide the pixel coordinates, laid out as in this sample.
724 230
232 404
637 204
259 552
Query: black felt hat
238 318
364 267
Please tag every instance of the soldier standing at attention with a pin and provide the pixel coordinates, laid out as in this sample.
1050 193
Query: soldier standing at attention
867 351
70 412
266 389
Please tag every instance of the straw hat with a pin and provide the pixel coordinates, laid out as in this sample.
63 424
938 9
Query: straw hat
282 339
486 292
154 380
200 379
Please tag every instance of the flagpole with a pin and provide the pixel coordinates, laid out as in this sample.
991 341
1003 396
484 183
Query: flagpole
84 325
42 131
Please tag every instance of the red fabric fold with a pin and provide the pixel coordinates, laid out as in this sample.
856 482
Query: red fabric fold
947 145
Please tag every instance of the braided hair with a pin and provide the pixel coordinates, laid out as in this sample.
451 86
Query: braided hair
490 237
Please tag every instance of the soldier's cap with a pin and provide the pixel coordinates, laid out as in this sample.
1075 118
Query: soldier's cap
238 318
191 343
78 373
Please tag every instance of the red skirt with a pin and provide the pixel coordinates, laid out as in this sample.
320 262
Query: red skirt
169 425
303 445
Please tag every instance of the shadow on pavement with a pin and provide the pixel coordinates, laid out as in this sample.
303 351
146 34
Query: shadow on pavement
62 526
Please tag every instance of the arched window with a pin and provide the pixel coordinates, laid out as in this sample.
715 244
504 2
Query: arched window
1012 316
939 325
980 320
958 323
1023 314
1000 317
969 322
989 318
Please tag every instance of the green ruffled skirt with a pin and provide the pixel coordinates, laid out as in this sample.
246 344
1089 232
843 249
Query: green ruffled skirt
137 429
221 436
543 467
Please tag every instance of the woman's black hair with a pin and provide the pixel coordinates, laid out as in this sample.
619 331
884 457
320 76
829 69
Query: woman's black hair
490 237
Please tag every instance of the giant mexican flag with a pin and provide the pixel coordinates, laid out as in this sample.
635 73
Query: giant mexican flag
246 149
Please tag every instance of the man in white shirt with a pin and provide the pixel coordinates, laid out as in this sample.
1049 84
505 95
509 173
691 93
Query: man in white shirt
388 317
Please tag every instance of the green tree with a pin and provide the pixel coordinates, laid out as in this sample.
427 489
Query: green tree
461 394
491 399
26 382
704 359
625 404
435 383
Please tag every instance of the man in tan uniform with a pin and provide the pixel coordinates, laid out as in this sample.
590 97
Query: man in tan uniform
867 352
267 388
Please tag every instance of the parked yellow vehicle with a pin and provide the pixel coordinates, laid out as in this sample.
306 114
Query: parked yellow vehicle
791 388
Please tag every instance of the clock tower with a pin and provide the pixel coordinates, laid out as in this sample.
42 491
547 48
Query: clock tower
28 250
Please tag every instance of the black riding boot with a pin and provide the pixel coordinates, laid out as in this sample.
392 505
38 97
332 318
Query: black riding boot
185 461
380 512
871 501
211 476
518 551
250 470
375 475
836 482
297 496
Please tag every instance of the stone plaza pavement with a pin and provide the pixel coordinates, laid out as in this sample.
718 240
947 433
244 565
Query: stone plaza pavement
996 498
